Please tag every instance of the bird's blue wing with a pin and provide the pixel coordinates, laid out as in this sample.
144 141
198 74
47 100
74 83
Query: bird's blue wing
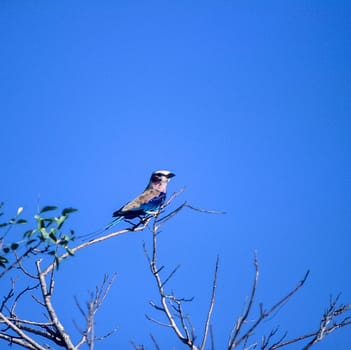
154 203
149 200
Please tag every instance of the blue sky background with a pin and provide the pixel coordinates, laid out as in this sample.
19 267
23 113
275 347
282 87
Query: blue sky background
247 102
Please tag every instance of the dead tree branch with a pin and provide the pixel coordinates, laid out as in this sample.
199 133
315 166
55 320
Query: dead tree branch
28 333
243 318
170 305
139 227
210 309
19 258
47 295
333 318
23 338
93 305
181 330
237 336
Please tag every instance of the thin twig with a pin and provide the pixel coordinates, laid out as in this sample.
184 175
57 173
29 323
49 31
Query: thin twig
19 295
210 309
170 275
9 295
242 319
155 342
18 259
263 314
93 305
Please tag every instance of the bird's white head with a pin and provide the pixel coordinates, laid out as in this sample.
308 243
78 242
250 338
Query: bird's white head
159 180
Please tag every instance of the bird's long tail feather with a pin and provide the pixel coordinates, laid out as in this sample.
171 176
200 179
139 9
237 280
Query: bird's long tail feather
113 223
95 233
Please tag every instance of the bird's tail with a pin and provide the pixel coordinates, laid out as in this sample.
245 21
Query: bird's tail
113 223
95 233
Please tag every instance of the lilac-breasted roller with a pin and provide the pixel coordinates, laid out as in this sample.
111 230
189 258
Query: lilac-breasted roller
147 203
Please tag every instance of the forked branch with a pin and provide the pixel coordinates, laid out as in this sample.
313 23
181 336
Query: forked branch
238 335
170 305
92 307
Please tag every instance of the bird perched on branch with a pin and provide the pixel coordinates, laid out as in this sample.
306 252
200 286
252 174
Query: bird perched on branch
147 203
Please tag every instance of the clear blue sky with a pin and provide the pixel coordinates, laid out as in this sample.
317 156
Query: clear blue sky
248 102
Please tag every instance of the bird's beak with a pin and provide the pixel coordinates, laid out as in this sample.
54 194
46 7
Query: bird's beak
170 175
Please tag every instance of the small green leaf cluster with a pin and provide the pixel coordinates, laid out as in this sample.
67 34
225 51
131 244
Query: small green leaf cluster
45 237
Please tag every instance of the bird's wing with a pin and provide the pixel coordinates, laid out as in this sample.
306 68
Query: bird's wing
142 199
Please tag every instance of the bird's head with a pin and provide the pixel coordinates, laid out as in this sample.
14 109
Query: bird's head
159 180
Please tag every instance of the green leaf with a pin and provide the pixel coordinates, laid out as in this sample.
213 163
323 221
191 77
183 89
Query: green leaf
6 249
60 221
68 211
3 225
48 208
65 238
3 259
52 236
42 223
21 221
31 241
14 246
28 233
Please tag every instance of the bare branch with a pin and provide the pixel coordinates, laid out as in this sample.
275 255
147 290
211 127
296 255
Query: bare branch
183 330
328 324
242 319
209 313
170 275
266 339
235 340
137 347
93 305
212 338
135 228
155 342
18 259
9 295
288 296
27 273
206 211
158 322
46 294
30 322
25 332
20 333
172 197
27 289
169 216
18 341
184 338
